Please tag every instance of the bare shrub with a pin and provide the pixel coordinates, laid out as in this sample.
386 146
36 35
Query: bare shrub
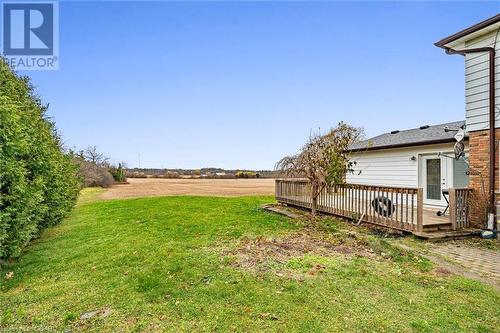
479 206
93 175
95 169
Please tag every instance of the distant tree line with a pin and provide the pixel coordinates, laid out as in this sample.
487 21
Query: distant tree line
213 173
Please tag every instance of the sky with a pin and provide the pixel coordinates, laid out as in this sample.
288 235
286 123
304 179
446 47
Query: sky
242 84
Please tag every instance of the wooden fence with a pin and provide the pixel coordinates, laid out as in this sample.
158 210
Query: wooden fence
459 207
398 208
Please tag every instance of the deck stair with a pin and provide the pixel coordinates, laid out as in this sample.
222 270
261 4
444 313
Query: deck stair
437 227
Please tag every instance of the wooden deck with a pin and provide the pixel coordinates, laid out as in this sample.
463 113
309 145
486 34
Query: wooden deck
431 217
396 208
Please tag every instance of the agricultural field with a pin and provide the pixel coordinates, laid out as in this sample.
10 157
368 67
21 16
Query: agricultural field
206 263
147 187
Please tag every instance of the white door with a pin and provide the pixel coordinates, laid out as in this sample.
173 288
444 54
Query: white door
435 176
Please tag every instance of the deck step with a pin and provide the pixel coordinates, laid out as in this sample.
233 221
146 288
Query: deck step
448 234
445 226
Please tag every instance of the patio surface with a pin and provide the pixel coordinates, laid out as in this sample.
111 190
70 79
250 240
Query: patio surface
482 262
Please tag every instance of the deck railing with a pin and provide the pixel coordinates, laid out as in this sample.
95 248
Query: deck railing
459 207
403 210
400 208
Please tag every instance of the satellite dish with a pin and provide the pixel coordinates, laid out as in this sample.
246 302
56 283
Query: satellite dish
460 135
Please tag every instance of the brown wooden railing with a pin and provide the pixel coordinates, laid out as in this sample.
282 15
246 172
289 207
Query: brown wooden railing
357 202
459 207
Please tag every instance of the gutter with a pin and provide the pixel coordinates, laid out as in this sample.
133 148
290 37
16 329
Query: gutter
468 31
492 139
403 145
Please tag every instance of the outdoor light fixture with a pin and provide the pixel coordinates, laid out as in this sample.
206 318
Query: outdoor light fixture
413 158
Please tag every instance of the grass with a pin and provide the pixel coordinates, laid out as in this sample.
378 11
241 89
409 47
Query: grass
89 195
165 264
486 244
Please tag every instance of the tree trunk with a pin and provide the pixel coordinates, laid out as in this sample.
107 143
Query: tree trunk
314 197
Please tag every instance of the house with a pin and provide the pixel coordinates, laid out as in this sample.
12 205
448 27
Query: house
412 180
480 46
401 178
421 157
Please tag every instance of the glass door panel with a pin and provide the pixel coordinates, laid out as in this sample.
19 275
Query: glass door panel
433 177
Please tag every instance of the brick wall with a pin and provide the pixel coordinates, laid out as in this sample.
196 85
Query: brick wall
479 158
479 161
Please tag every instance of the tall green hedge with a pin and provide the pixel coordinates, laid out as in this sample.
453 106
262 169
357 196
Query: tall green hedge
38 181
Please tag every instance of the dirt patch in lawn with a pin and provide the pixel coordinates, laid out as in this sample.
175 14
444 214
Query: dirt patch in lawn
149 187
441 271
286 256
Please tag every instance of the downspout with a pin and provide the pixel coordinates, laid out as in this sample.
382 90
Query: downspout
492 140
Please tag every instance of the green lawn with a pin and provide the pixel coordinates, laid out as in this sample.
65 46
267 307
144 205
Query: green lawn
171 264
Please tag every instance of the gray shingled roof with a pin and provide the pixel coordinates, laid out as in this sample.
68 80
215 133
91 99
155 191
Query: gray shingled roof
411 137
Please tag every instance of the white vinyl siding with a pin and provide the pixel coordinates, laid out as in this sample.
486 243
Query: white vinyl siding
477 82
391 167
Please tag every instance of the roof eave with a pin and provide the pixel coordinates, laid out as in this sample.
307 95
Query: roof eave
443 43
403 145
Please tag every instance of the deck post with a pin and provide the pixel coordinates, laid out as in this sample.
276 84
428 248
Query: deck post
350 200
453 208
276 192
420 209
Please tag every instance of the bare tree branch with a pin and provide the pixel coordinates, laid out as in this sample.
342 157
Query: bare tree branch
323 160
92 155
